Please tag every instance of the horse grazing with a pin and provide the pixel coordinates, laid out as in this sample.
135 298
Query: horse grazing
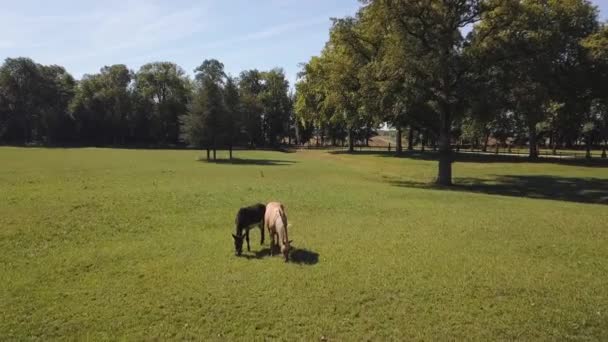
275 221
246 219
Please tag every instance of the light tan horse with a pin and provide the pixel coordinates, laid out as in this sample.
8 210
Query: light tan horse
275 221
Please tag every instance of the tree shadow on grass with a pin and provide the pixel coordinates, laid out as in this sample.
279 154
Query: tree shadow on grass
462 157
259 162
296 256
581 190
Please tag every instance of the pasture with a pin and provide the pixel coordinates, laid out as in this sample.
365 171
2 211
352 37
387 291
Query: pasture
136 244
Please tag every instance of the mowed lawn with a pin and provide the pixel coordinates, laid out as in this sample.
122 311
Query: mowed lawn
135 244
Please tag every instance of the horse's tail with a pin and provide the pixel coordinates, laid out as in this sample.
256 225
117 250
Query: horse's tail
284 221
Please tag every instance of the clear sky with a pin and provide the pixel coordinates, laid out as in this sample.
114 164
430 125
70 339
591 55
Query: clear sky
84 35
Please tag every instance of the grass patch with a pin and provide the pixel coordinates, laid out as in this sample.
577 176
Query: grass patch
128 244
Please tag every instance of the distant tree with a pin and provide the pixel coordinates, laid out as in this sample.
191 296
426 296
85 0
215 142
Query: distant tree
166 90
251 86
57 90
204 124
599 116
344 85
20 86
383 72
33 102
233 117
441 56
201 126
596 48
537 44
276 105
311 108
211 70
103 104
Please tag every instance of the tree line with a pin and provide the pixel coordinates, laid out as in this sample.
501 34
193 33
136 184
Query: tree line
526 72
157 105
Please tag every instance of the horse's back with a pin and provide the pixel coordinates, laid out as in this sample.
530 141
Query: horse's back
250 215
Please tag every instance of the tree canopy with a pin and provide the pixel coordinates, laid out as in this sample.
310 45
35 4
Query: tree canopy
470 69
449 73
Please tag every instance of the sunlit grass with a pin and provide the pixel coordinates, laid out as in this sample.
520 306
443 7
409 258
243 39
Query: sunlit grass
107 244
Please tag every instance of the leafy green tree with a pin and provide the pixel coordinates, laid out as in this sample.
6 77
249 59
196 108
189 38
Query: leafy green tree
33 102
387 90
276 105
596 48
329 91
233 116
311 109
251 86
203 125
103 104
20 80
165 90
57 90
211 70
440 53
344 83
537 43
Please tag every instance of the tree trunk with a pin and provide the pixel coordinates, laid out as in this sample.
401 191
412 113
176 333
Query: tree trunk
297 135
323 137
208 154
351 146
588 148
554 146
532 140
486 142
423 142
230 151
604 154
497 148
444 176
399 147
410 139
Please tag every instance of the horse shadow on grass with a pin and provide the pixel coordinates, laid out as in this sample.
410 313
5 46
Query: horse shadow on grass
298 256
580 190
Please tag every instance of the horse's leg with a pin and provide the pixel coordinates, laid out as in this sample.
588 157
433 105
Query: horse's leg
261 232
271 243
247 237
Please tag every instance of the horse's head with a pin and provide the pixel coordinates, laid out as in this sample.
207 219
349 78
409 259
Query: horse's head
238 244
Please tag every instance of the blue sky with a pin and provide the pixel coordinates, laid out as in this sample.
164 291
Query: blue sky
84 35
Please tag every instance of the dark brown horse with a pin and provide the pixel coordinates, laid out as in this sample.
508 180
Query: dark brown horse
246 219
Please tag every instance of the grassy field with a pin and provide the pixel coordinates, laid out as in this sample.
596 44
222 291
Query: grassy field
125 244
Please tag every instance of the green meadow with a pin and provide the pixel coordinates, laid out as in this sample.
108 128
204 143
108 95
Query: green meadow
106 244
